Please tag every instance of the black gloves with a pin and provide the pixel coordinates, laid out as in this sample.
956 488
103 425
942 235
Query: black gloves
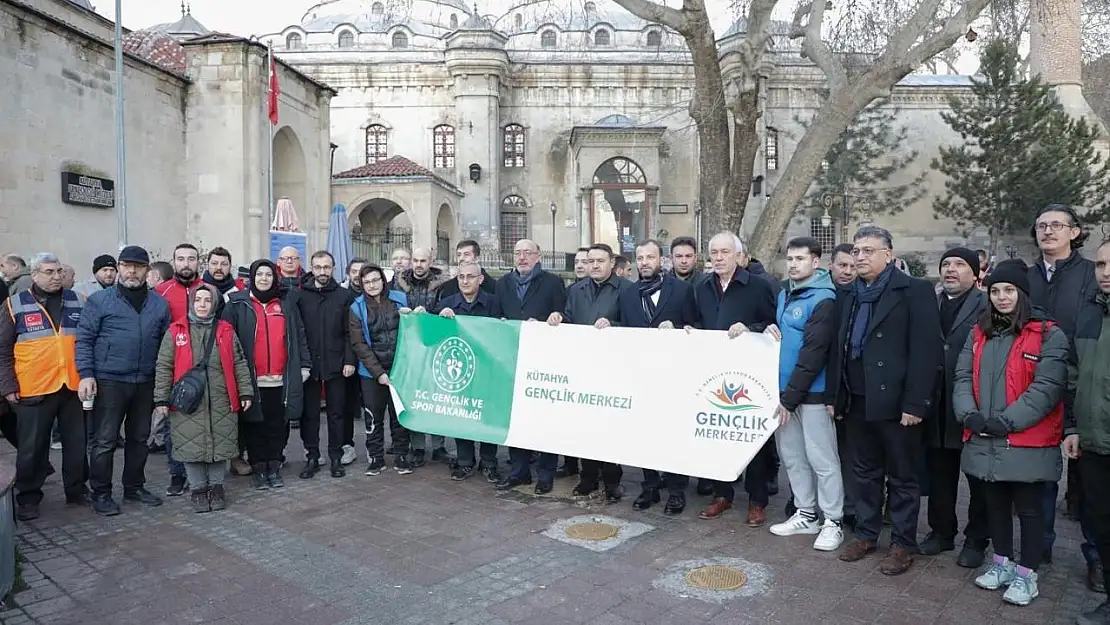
979 424
975 422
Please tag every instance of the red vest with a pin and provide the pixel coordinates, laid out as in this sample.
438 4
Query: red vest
225 347
177 296
269 338
1021 364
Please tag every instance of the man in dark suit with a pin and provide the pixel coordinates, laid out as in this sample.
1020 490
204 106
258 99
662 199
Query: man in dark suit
882 373
658 300
961 304
528 293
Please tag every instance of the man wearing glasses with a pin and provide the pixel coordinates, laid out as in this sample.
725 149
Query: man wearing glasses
289 264
1063 283
882 373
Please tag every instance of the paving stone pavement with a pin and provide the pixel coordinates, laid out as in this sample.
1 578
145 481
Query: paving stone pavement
421 549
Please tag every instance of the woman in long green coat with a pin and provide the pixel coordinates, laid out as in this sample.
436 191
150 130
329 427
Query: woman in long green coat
205 439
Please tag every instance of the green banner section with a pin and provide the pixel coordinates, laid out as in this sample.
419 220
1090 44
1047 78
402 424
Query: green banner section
455 377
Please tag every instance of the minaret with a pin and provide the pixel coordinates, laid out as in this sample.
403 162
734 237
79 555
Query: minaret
1055 53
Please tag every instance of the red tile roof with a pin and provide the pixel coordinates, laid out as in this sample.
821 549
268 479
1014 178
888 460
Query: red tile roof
393 167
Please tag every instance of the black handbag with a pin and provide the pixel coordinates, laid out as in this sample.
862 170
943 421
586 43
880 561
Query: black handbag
187 393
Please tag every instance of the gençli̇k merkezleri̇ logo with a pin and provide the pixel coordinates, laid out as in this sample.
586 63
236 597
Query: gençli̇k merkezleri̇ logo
453 365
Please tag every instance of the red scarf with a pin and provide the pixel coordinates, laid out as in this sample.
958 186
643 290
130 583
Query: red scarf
183 355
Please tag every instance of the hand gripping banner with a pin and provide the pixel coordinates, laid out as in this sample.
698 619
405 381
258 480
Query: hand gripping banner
694 403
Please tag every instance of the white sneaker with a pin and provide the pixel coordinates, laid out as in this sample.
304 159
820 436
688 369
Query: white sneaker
830 538
56 445
349 454
796 524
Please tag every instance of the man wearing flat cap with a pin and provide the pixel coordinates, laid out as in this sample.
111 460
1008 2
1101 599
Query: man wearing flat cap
961 304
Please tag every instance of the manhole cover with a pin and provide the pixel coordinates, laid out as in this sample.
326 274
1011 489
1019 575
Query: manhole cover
592 531
716 577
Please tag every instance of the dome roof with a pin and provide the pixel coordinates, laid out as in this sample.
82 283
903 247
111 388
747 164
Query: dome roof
530 15
157 48
429 17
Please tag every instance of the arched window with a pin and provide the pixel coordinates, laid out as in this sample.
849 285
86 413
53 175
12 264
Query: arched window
512 149
601 37
293 41
518 19
377 8
547 39
400 40
346 39
454 21
654 38
513 224
377 143
619 170
443 147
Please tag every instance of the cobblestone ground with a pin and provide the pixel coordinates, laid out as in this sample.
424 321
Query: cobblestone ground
422 549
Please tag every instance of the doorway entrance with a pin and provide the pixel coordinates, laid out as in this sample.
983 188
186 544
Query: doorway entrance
619 205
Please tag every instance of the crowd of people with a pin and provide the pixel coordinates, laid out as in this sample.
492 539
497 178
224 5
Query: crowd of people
890 388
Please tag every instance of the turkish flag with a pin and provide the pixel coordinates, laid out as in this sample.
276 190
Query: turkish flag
275 91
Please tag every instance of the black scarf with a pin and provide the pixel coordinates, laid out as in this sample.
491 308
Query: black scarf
52 302
275 288
866 296
648 288
223 286
134 296
949 308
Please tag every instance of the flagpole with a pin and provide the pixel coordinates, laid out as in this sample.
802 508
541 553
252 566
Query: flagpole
121 156
270 143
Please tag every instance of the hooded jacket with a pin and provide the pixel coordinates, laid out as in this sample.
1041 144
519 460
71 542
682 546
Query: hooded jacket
806 316
422 291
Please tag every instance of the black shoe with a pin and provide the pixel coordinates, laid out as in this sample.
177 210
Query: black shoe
675 504
614 494
492 476
28 512
80 499
104 505
1098 616
705 487
50 470
273 474
542 488
258 478
337 469
565 471
584 489
418 458
217 497
646 498
510 483
1046 556
402 465
461 473
156 449
311 467
295 424
970 557
201 504
178 486
439 454
1094 577
791 508
935 544
143 496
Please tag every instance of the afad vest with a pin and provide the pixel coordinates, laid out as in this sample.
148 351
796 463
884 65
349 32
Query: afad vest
45 354
1021 364
183 359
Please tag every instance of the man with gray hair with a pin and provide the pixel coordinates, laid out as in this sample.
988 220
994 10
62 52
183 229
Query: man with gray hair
16 274
882 373
38 377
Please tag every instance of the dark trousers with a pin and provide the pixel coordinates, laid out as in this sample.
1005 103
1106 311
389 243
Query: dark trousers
847 474
464 452
242 438
35 419
130 405
7 425
673 482
266 438
756 476
943 466
886 451
520 461
335 390
1095 510
376 403
1027 498
594 471
352 405
570 463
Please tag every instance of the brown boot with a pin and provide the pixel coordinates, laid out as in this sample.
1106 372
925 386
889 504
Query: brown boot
857 550
715 509
898 560
757 515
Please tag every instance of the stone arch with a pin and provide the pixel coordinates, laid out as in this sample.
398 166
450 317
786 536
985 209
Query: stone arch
448 232
379 224
291 172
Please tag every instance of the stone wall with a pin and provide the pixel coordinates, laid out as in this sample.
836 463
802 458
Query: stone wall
58 96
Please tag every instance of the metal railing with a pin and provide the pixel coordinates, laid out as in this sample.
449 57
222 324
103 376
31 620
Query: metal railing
377 247
552 261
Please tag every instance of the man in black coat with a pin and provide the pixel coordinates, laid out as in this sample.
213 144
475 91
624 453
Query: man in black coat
881 377
733 299
467 251
528 293
323 305
961 304
658 300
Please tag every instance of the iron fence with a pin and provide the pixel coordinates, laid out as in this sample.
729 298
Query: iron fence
377 247
443 247
552 261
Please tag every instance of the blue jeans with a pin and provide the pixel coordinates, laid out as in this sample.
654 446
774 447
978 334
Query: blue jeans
1051 495
176 468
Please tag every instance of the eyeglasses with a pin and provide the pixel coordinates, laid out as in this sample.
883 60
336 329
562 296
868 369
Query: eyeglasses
860 252
373 280
1053 226
288 259
520 253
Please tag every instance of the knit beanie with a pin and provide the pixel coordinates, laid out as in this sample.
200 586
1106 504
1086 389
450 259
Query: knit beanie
1012 271
968 256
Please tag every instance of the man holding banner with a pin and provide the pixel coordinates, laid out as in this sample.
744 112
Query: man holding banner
735 300
528 293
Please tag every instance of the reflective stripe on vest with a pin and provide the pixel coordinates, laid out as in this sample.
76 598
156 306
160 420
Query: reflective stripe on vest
45 353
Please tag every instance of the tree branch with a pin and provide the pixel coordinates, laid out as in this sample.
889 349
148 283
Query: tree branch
814 46
939 41
914 28
657 13
758 33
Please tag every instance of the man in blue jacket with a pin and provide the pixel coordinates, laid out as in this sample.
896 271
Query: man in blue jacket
118 339
806 327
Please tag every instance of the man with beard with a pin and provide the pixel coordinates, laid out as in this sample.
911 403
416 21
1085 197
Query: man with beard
421 284
289 265
684 259
596 302
354 266
659 300
104 276
219 275
466 251
186 264
569 468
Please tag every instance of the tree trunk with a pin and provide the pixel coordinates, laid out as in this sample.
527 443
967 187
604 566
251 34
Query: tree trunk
745 147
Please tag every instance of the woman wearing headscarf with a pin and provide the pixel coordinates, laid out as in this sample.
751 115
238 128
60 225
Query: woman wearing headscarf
1009 389
206 438
268 324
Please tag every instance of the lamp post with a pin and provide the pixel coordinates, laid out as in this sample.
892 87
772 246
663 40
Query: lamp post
554 209
845 202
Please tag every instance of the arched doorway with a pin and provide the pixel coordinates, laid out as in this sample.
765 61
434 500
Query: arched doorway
379 227
290 172
619 206
447 233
